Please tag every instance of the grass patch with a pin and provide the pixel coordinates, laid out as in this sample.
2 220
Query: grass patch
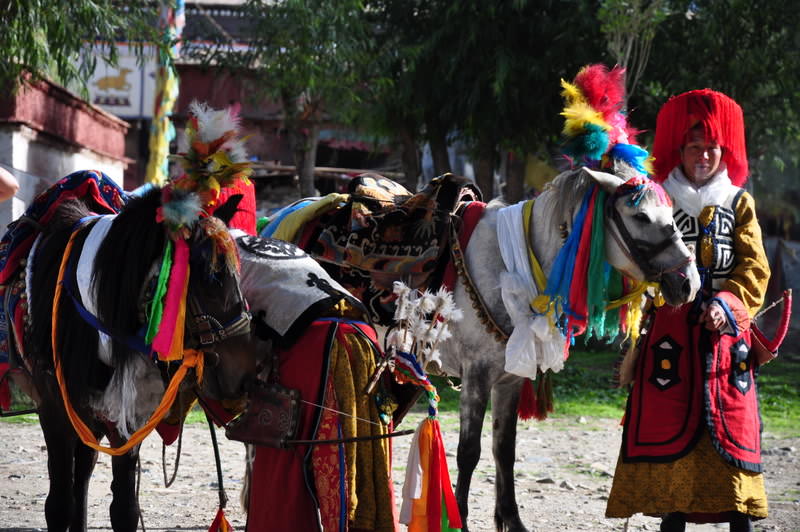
779 395
583 387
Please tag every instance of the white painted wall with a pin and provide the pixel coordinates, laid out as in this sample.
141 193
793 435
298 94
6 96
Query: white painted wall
38 162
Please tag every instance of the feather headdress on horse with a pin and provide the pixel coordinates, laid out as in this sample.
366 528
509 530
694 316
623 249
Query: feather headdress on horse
595 124
598 135
215 158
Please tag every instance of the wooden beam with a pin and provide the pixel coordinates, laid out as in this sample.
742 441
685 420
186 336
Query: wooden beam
272 167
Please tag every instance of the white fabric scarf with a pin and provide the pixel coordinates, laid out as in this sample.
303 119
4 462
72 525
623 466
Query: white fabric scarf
85 272
690 198
533 343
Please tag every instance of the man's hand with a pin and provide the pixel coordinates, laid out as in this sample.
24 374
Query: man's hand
713 317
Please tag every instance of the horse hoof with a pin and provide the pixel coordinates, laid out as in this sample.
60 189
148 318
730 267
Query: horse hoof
514 526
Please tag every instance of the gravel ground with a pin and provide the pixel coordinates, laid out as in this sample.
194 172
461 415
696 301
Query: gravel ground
563 471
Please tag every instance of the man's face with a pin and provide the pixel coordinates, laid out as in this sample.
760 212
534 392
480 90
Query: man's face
700 158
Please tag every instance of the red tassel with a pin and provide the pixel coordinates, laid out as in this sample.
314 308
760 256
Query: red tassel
220 523
526 406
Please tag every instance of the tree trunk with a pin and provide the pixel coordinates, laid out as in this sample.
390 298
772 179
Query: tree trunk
307 160
410 158
484 176
441 159
515 178
303 131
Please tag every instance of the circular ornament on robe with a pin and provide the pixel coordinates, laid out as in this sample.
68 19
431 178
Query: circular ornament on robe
270 248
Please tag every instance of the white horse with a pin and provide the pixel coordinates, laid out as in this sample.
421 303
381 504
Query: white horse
641 242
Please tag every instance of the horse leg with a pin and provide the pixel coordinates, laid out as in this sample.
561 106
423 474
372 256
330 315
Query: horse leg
124 504
60 439
472 409
505 395
85 460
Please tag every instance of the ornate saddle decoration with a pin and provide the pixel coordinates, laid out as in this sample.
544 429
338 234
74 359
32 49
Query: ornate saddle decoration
386 234
271 417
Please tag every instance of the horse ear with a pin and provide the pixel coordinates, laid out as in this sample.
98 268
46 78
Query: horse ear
609 182
226 211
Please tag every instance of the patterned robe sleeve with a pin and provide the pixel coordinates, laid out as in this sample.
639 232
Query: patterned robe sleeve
749 278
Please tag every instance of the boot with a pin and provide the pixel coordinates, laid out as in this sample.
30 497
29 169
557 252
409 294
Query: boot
741 522
673 522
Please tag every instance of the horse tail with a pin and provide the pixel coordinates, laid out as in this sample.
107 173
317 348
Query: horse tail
244 495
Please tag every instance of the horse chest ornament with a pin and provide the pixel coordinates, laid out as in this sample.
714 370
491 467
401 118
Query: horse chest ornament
271 417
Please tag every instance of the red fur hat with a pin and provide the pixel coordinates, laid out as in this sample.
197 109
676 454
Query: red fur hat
722 121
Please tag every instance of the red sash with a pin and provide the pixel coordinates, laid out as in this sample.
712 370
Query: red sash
688 378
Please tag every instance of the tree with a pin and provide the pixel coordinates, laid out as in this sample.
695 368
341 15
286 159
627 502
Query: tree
47 39
630 27
497 76
749 51
391 105
306 54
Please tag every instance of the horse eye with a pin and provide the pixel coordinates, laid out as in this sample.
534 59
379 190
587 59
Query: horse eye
642 218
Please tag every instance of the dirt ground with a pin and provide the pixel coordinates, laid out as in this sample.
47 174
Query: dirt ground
563 471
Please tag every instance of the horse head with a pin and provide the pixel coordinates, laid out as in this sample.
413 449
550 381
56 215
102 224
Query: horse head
642 239
218 320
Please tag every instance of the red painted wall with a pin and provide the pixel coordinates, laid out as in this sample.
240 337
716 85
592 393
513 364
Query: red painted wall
54 111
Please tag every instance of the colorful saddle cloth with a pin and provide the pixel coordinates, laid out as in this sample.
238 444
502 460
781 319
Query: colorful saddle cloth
93 187
382 233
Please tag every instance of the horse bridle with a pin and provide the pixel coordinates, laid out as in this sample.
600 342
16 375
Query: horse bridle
639 251
208 331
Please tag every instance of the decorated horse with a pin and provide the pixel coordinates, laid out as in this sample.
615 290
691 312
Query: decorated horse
578 259
115 304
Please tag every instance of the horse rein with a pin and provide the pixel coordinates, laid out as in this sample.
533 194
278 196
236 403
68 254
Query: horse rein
639 251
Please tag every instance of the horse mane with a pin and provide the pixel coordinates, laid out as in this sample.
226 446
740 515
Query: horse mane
563 195
123 262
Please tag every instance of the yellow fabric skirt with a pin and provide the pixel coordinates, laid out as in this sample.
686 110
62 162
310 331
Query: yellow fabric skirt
699 483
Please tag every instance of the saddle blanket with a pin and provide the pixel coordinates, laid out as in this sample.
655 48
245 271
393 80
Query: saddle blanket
94 187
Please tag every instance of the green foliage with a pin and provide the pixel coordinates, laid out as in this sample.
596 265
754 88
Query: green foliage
489 71
308 53
630 27
779 394
751 52
583 387
49 38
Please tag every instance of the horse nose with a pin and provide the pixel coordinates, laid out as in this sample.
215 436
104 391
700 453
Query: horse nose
686 289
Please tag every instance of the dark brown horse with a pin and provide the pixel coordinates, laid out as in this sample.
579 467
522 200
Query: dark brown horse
111 380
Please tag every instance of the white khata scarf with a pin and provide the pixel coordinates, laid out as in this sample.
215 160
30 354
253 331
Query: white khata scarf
534 342
690 198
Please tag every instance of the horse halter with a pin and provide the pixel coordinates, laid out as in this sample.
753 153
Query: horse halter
639 251
206 330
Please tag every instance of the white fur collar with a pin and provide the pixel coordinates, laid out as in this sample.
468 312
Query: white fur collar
692 199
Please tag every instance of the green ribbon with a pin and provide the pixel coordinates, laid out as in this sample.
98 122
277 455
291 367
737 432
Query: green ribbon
157 304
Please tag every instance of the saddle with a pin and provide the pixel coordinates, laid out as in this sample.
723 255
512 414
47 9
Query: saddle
384 233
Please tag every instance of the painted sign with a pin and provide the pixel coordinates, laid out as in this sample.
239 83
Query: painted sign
126 89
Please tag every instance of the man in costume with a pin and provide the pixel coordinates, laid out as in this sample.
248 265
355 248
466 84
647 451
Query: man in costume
691 446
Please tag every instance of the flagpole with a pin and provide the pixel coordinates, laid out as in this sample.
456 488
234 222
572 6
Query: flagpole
162 130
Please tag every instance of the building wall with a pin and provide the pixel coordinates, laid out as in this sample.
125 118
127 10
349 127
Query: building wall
46 133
